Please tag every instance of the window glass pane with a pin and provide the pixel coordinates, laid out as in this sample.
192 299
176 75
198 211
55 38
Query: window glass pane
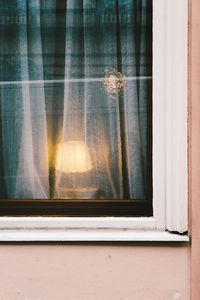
75 99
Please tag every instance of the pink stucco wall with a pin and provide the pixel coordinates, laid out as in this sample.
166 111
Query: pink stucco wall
94 272
195 146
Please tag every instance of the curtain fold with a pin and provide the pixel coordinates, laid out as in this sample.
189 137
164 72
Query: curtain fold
133 52
24 130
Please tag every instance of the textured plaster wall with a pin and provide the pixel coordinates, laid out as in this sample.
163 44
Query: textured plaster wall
94 272
194 43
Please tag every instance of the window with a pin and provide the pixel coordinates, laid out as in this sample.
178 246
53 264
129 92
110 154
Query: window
76 97
83 147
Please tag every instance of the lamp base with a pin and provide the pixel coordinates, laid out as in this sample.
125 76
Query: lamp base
77 193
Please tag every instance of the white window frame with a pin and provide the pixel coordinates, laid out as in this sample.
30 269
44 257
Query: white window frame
170 171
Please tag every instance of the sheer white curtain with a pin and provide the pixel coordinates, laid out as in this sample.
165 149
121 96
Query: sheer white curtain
78 130
24 127
112 124
89 116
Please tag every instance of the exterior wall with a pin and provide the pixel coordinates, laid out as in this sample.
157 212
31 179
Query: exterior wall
94 272
195 146
116 271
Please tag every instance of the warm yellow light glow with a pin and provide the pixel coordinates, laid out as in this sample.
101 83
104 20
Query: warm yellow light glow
73 157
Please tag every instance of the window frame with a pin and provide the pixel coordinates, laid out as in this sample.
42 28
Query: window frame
170 147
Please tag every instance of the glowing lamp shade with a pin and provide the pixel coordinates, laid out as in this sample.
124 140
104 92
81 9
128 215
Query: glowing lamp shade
73 157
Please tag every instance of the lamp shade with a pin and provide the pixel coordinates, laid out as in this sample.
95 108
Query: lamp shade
73 157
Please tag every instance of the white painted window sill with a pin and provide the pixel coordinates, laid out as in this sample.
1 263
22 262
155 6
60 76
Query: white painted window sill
52 229
92 235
